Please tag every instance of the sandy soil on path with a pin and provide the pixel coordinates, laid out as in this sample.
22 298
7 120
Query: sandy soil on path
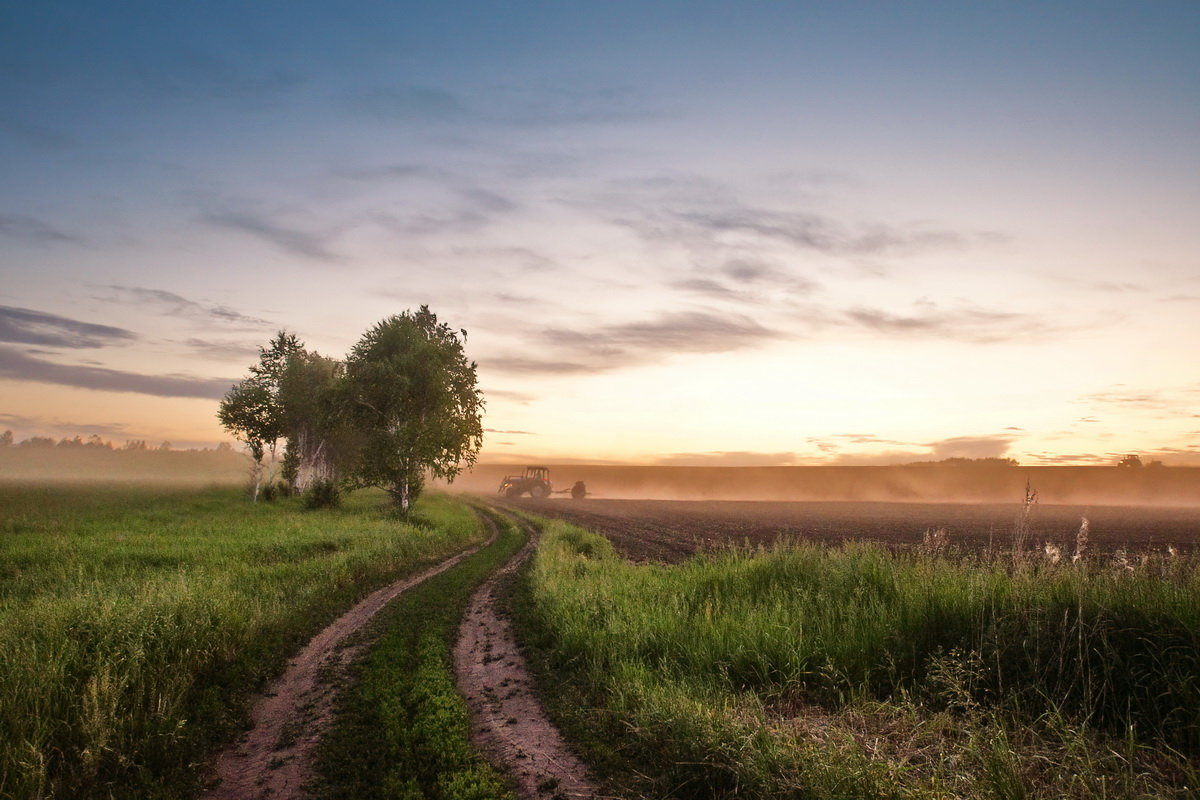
273 759
508 722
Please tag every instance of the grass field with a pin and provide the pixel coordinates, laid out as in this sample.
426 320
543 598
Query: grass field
133 622
839 672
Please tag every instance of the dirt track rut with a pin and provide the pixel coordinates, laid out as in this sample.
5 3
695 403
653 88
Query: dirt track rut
274 758
508 722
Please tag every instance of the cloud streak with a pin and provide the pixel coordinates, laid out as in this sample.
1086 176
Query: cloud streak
32 229
290 240
26 326
176 305
977 325
15 365
607 347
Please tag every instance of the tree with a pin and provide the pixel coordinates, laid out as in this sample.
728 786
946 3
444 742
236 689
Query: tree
409 392
6 439
251 410
308 420
245 411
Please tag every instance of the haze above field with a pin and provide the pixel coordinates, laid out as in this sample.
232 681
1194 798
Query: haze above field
677 233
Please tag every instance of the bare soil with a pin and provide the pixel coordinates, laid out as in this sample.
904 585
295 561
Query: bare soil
508 721
672 530
273 759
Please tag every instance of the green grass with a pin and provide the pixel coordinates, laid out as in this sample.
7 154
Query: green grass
134 622
814 672
403 731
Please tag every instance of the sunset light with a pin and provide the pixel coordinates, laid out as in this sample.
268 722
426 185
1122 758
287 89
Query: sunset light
675 233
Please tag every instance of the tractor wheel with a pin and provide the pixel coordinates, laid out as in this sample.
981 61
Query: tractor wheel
538 491
513 491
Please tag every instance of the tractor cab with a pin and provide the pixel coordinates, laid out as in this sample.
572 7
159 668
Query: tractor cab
534 481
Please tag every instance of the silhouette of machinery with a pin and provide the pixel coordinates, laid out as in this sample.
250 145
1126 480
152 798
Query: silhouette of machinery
534 481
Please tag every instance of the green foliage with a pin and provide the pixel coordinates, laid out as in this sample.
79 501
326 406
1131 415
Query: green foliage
133 623
767 674
323 494
411 393
403 729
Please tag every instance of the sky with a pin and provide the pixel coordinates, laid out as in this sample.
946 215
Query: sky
685 233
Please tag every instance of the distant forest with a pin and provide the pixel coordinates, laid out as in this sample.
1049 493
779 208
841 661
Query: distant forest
96 442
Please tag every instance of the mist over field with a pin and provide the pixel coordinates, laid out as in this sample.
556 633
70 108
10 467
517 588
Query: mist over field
1178 486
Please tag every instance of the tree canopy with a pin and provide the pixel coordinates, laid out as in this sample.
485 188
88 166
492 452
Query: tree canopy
401 407
410 392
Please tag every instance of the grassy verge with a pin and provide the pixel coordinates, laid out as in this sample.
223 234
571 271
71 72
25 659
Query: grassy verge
134 622
402 729
812 672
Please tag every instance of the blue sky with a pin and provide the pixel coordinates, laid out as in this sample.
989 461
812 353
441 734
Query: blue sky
676 232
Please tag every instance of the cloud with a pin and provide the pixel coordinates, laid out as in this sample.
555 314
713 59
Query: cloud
25 326
534 366
19 366
515 397
32 229
510 433
223 350
472 208
176 305
607 347
971 447
901 452
727 458
290 240
389 172
1075 458
683 332
1168 402
816 232
976 325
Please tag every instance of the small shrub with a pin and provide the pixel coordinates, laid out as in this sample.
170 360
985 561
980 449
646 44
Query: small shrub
323 494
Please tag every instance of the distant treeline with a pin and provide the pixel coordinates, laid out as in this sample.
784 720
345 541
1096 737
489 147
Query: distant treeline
95 442
43 460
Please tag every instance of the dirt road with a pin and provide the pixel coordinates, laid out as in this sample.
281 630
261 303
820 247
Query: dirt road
273 759
508 722
671 530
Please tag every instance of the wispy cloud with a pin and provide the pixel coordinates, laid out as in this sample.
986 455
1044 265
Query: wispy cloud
971 447
1160 399
510 433
607 347
520 365
26 326
176 305
19 366
294 241
32 229
683 332
968 324
222 351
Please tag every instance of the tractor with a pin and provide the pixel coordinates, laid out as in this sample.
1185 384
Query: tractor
534 481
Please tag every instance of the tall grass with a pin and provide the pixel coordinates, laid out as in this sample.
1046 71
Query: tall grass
772 673
133 622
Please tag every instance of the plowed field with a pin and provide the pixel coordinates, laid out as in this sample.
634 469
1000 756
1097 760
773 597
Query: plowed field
671 530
